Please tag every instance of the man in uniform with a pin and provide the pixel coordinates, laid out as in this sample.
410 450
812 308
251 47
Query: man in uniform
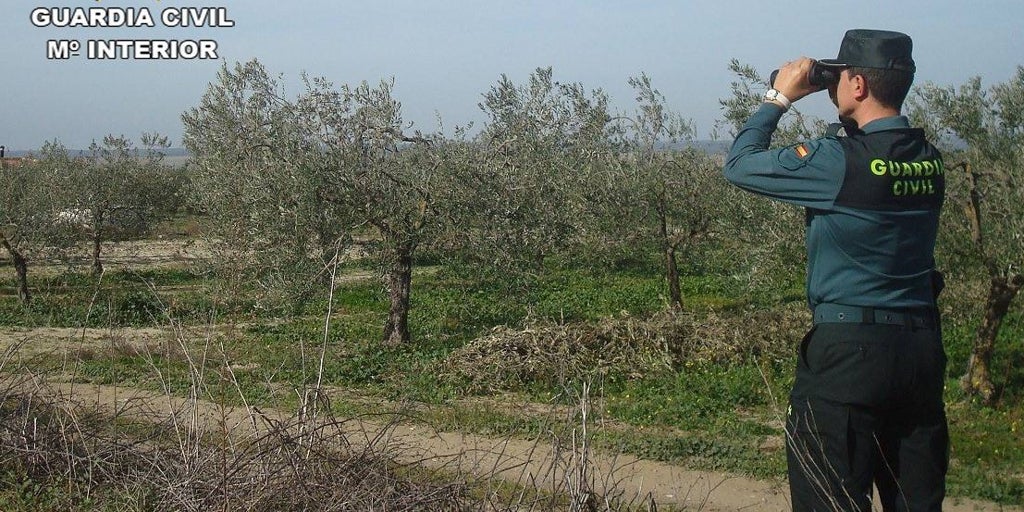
866 406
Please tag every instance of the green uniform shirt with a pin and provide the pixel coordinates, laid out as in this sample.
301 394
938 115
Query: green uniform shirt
855 257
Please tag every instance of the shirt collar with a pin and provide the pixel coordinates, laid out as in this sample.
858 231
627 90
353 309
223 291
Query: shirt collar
886 123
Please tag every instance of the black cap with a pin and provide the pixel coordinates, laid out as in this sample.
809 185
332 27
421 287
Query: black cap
874 49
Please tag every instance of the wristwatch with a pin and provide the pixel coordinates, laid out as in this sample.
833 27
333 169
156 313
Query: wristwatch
775 95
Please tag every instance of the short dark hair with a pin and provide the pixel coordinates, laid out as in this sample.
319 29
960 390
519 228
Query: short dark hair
889 86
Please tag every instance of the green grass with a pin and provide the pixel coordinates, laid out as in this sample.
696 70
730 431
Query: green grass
692 399
119 299
707 416
19 493
708 450
987 449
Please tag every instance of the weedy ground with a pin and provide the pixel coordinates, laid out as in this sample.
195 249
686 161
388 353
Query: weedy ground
703 387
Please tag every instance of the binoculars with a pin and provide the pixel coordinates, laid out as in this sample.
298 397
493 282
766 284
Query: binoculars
819 76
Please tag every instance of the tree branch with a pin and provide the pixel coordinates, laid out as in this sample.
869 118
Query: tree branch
972 208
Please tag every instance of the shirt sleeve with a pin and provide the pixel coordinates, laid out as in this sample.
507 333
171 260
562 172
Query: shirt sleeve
808 174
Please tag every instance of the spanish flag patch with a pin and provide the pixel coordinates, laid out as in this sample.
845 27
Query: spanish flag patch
801 151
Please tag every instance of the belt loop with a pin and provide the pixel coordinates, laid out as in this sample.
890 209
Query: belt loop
867 315
908 322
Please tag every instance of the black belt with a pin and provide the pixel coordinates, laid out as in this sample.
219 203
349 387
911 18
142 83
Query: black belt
921 318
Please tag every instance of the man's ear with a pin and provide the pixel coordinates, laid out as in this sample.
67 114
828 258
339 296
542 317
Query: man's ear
859 87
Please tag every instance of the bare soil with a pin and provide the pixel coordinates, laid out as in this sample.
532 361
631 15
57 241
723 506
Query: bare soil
129 254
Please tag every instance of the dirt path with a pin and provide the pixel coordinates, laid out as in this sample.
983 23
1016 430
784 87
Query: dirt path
542 463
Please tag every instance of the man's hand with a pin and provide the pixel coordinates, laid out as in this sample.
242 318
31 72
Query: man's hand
792 80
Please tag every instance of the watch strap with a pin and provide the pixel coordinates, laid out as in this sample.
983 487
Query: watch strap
775 95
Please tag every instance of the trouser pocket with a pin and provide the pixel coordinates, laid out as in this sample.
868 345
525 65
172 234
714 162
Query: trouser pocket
803 347
851 363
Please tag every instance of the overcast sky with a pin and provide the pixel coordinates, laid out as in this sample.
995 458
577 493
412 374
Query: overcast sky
444 54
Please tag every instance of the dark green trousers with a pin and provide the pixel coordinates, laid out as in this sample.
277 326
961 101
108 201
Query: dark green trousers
866 408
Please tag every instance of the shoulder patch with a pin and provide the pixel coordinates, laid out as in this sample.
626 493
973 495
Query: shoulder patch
798 155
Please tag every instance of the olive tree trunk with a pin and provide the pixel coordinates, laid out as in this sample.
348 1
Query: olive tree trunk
20 269
1003 288
399 281
97 241
672 272
97 263
978 379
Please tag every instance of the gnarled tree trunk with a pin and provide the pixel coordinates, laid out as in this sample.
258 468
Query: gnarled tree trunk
97 241
97 264
399 281
978 379
672 274
669 252
20 269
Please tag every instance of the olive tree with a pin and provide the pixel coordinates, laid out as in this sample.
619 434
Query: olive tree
396 195
986 183
257 172
661 189
288 182
524 193
117 190
29 212
14 185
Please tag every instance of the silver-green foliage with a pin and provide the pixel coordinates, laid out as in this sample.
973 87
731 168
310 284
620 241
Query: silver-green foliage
28 205
255 172
120 188
290 182
525 187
